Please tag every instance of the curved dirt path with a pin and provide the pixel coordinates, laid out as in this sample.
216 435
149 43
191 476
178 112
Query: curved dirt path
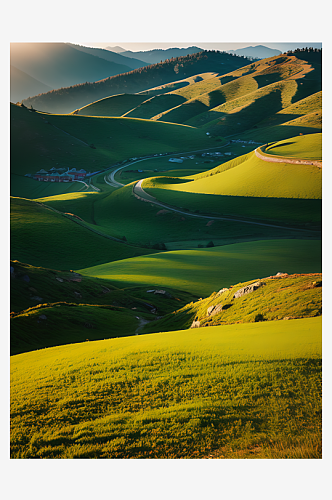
141 195
277 159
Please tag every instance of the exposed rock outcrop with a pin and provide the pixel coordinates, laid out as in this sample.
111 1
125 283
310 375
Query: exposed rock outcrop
213 310
247 289
195 324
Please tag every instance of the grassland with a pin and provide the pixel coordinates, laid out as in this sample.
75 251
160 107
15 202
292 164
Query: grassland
238 391
42 237
207 270
51 307
252 177
281 297
40 140
306 147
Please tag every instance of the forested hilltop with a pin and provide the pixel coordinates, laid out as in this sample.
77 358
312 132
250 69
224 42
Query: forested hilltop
68 99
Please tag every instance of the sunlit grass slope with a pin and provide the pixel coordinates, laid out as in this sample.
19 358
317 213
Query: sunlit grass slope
252 177
306 147
116 105
24 187
42 237
80 204
278 297
119 105
207 270
245 97
238 391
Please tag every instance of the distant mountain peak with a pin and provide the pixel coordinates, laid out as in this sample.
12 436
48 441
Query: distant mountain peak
116 49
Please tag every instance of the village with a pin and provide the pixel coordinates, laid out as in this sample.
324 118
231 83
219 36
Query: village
60 175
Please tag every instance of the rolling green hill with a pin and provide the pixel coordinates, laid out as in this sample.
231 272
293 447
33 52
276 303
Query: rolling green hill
44 141
252 176
237 391
42 237
119 105
238 100
206 270
275 298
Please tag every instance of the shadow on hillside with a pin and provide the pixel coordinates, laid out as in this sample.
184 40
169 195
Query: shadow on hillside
185 112
267 79
310 84
249 116
278 132
156 105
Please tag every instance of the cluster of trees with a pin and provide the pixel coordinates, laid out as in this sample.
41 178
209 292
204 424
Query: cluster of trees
304 49
309 54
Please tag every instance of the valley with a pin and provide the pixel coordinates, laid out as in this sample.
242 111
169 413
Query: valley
166 260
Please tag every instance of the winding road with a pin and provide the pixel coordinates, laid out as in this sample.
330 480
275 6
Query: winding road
142 195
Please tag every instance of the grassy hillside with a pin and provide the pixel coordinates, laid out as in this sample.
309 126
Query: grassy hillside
42 237
276 298
206 270
65 323
68 99
65 141
51 307
238 391
252 177
237 101
307 147
149 224
119 105
31 285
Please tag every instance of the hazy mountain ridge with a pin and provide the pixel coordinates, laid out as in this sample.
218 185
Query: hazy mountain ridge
110 56
23 85
257 51
158 55
60 65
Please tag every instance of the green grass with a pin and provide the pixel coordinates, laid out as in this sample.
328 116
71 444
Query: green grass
63 323
40 140
155 105
207 270
42 237
250 176
43 282
238 391
306 147
24 187
116 105
290 297
121 214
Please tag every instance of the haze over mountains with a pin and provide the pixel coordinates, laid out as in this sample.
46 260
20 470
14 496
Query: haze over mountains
57 65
